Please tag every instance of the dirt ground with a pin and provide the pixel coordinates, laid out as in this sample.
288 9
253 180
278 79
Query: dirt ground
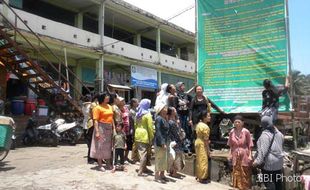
64 167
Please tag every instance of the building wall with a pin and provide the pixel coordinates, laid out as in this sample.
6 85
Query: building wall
303 107
84 38
83 48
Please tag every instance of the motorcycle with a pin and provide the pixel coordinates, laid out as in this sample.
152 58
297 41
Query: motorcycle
45 134
68 132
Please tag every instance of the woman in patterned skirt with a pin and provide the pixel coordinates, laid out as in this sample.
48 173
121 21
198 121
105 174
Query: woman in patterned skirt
101 147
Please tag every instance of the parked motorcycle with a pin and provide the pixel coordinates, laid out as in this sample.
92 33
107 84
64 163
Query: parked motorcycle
45 134
68 132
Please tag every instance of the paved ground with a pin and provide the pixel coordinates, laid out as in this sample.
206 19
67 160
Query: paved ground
64 167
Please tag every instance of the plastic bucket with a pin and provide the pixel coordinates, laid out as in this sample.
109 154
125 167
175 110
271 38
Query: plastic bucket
41 102
42 110
17 107
30 106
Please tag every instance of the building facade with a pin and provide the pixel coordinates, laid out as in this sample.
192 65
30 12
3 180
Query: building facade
110 42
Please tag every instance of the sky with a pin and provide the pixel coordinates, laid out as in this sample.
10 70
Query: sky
299 15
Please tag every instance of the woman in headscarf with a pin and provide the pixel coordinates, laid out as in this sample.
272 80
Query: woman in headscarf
101 146
202 148
161 142
240 143
162 97
144 133
270 153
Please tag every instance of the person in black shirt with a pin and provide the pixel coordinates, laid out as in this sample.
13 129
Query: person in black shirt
198 104
183 104
271 94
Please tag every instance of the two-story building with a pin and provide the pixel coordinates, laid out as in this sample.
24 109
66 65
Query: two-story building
108 42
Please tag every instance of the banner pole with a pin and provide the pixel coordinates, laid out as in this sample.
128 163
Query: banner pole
196 41
292 94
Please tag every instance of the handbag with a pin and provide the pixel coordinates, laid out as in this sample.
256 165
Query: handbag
261 166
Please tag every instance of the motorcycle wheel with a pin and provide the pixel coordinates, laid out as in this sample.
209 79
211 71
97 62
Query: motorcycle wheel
26 141
3 154
73 142
55 141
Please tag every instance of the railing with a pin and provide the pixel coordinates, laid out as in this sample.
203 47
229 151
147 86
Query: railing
39 54
87 39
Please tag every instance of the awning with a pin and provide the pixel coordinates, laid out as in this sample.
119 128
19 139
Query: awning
119 87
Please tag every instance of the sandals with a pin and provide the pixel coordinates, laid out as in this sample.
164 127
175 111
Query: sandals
204 181
101 169
159 180
164 179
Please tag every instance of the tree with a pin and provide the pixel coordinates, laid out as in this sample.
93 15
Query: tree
300 83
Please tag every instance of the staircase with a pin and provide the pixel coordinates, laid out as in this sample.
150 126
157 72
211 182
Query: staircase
16 58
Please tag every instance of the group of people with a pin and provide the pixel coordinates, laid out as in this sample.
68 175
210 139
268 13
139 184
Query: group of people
112 130
269 155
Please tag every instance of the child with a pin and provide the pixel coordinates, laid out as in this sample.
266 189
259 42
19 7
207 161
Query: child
120 146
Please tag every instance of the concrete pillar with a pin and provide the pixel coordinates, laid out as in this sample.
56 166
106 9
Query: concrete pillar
101 22
158 40
101 33
100 73
5 10
159 78
179 53
138 40
79 20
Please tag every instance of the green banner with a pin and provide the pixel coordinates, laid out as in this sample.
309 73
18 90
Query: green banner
241 43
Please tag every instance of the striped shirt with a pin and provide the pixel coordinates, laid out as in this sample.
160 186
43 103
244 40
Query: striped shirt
274 160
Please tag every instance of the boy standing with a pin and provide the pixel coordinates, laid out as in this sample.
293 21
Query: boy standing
120 146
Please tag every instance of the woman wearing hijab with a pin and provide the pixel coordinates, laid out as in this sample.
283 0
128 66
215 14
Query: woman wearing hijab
144 133
270 153
161 142
162 97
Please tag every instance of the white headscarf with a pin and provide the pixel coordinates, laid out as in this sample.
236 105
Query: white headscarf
162 98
